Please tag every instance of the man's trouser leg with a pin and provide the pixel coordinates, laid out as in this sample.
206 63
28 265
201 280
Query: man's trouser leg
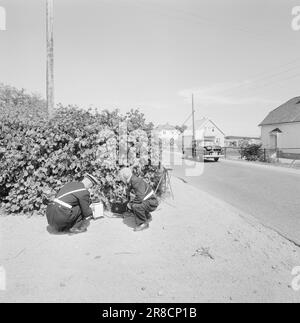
77 219
140 213
56 217
142 210
63 221
151 205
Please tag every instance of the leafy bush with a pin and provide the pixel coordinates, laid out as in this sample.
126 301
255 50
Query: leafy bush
17 105
38 156
251 152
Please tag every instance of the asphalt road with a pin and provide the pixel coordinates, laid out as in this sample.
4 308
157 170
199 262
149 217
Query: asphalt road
271 195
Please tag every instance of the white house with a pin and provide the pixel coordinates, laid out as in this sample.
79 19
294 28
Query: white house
166 132
281 128
206 132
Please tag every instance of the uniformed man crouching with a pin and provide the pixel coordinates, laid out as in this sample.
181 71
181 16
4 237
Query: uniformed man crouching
71 208
144 201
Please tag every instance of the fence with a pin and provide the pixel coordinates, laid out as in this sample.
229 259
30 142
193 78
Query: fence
287 156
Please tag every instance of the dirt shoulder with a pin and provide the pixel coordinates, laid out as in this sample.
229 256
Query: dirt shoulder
198 249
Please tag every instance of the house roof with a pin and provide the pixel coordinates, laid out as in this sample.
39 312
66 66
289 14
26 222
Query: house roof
201 123
165 127
286 113
277 130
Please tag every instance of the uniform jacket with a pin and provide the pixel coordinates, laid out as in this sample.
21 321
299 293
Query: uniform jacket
140 188
80 199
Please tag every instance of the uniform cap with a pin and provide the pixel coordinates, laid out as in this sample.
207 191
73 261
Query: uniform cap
92 178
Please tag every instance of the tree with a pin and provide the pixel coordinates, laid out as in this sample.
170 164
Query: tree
17 104
181 129
137 121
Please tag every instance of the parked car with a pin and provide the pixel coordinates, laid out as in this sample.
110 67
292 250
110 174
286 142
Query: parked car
204 150
212 152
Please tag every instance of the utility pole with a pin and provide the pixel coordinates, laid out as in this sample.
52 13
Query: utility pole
50 58
193 114
194 136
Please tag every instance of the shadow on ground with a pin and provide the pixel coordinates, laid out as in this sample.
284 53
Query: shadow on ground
54 231
130 221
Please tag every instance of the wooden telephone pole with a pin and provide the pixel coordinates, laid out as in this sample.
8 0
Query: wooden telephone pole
193 114
194 135
50 58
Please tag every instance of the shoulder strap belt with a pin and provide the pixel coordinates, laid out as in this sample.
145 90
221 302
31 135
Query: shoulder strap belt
149 192
80 190
57 200
149 195
63 203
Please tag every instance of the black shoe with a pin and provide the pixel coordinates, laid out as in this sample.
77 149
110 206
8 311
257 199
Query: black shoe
141 227
78 230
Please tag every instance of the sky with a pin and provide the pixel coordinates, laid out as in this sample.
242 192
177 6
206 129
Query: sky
240 58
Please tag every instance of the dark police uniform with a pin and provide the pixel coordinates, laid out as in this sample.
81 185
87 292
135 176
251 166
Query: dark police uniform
69 208
145 200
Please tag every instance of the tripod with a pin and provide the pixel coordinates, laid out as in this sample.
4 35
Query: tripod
166 177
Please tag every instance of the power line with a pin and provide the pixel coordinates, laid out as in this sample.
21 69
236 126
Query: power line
279 81
183 12
205 20
258 87
187 119
258 78
197 19
255 80
279 66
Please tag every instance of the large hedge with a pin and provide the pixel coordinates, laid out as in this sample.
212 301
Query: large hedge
251 152
38 156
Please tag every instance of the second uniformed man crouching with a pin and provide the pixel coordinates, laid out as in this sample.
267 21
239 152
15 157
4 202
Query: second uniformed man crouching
144 200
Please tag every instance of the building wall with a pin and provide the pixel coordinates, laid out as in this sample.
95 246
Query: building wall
167 135
289 138
235 143
208 130
232 143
